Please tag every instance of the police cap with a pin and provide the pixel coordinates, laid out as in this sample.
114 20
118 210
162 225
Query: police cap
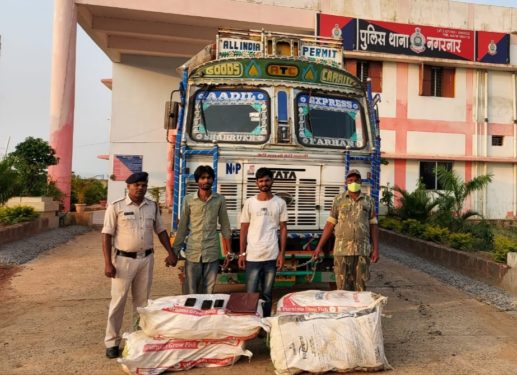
137 177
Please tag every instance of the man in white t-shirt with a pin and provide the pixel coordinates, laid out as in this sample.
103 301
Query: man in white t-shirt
261 217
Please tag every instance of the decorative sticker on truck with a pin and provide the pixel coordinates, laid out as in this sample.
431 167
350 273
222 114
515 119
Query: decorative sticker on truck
230 116
232 47
324 121
275 69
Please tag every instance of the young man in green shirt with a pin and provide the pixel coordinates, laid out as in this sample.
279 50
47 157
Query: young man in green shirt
200 213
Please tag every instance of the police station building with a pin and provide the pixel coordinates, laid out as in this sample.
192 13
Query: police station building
446 72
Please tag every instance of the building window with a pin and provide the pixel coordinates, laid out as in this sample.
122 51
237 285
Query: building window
497 140
428 173
364 69
436 81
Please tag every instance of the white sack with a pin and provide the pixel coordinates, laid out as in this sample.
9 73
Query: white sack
318 301
167 317
143 355
320 342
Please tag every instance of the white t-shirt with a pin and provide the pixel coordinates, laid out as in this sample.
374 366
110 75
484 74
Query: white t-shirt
264 218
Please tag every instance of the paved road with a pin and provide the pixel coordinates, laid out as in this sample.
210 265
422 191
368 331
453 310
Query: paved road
54 310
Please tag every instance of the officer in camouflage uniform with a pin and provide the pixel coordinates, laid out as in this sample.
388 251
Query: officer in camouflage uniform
354 223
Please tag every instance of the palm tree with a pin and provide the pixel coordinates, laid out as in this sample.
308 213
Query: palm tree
455 191
415 205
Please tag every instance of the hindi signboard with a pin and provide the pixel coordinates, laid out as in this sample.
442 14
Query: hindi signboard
416 40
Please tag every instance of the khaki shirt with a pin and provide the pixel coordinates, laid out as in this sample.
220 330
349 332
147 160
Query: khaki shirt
199 221
132 225
352 221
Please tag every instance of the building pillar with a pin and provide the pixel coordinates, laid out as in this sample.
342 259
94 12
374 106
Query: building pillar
62 94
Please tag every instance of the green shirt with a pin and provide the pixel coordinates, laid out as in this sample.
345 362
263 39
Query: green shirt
199 221
352 219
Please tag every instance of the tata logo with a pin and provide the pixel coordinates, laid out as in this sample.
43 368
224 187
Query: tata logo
233 168
284 175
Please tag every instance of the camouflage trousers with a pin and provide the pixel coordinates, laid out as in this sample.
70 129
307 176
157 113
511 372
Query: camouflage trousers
352 272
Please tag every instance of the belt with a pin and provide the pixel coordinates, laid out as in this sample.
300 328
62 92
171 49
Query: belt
135 255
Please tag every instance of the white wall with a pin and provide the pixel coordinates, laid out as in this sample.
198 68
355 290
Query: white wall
388 104
412 174
430 143
506 150
388 140
436 108
500 98
137 126
500 191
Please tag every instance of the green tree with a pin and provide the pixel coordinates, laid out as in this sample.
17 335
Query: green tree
87 190
455 192
9 180
30 159
416 205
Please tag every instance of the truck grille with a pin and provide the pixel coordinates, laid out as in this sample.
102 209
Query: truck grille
302 212
330 192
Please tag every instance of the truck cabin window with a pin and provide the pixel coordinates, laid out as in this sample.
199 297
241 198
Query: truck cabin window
325 121
230 116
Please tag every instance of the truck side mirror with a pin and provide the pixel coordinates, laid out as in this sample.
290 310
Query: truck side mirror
171 115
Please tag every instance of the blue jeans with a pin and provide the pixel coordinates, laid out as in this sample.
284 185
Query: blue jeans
260 277
200 277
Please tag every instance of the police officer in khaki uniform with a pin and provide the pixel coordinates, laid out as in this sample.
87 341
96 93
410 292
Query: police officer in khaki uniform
128 226
354 223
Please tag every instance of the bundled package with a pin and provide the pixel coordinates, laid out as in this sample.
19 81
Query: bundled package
318 301
198 316
318 331
143 355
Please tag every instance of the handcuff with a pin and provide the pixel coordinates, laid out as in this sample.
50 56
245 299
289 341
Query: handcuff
233 256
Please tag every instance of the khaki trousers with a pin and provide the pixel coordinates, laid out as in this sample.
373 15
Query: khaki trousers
134 274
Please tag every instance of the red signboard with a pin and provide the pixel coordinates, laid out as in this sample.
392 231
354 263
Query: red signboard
416 40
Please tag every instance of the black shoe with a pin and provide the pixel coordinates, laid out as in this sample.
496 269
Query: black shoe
112 352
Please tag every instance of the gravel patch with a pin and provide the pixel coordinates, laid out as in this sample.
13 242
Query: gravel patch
477 289
22 251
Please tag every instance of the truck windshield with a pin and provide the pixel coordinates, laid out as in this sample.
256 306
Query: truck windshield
230 116
326 121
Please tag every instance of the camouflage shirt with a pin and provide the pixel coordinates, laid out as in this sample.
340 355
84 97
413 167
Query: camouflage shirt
352 221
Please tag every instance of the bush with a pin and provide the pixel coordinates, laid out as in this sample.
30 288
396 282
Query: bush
482 234
87 190
502 246
434 233
18 214
461 241
412 227
418 204
391 223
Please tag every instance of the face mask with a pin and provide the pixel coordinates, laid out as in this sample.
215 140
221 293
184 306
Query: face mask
354 187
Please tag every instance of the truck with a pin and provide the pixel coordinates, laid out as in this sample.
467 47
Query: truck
283 101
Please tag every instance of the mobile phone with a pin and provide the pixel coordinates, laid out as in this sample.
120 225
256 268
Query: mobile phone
207 304
218 303
190 301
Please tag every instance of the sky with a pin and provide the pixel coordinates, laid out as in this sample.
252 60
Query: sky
25 68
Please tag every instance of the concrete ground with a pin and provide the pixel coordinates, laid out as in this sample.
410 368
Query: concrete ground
54 312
